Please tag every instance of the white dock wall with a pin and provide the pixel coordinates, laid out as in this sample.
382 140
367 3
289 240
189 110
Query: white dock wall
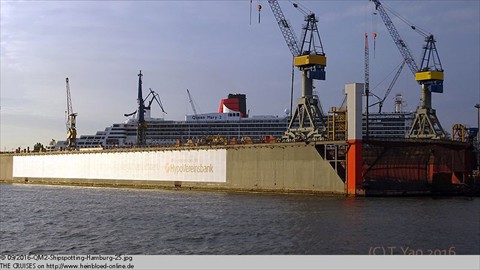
193 166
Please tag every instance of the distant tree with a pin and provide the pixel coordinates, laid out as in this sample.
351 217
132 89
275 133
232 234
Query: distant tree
38 147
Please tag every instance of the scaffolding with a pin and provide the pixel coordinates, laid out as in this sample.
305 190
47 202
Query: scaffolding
337 124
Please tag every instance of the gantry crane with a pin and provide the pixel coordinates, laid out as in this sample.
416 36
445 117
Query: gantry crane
71 142
429 75
310 58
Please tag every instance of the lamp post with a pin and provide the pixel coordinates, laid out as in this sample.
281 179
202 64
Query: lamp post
478 121
478 136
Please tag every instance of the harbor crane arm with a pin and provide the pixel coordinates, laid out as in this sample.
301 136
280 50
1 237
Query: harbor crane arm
155 97
389 89
130 114
397 39
285 28
69 101
309 55
190 99
430 72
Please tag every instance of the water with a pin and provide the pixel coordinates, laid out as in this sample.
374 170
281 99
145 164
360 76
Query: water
78 220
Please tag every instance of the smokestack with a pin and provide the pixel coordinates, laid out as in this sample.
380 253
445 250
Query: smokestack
398 103
234 102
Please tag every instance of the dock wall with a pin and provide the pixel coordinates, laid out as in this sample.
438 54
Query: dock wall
6 167
290 167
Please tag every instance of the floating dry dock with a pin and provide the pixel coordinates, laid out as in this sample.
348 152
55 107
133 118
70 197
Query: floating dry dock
388 168
290 167
350 166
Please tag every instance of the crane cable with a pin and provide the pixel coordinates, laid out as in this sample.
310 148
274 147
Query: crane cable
250 12
417 29
303 9
388 75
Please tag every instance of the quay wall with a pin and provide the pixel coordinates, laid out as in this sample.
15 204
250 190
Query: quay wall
6 167
281 167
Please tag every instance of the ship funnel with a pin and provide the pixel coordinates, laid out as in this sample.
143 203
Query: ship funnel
398 103
234 103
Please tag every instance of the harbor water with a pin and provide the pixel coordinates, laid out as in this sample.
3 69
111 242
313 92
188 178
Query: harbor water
36 219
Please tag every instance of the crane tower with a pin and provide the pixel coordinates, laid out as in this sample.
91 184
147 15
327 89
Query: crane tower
310 58
429 75
71 142
141 124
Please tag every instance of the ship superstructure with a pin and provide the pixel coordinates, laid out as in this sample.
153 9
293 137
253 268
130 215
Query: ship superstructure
231 120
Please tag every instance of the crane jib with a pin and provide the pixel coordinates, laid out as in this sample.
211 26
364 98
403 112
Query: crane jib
401 45
285 28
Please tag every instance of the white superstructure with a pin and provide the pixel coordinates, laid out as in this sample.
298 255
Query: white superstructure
228 124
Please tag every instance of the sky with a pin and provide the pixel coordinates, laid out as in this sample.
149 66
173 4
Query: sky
213 49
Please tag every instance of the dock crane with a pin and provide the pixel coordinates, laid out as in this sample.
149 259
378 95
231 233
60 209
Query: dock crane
367 83
141 123
71 143
155 97
389 89
310 58
429 75
190 99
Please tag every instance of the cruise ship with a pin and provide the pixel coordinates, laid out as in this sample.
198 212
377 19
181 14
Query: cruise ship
230 121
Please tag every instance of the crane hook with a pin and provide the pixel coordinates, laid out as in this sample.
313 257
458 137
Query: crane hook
259 12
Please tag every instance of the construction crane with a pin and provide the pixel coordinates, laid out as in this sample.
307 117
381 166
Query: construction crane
367 84
389 89
190 99
429 75
71 143
141 123
310 58
155 97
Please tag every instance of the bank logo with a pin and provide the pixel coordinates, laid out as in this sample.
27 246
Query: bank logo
186 168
